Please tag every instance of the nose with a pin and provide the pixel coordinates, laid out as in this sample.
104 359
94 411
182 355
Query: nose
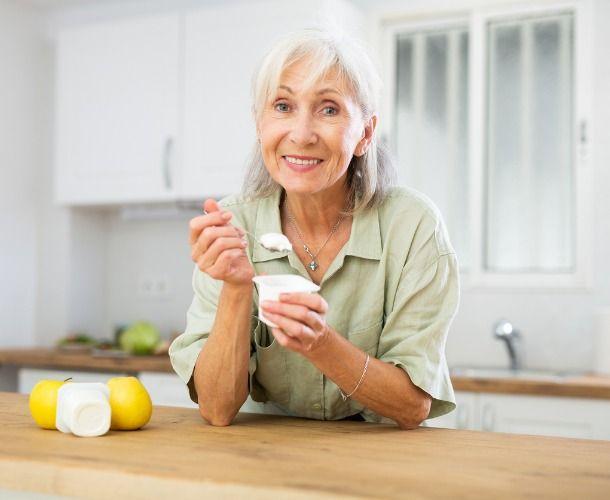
302 132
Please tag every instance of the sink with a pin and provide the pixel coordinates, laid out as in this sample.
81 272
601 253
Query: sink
507 373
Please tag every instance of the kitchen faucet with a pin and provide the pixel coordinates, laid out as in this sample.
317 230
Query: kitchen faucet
505 331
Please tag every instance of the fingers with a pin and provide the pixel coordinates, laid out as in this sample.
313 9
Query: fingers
199 223
226 264
210 205
286 341
293 328
210 234
218 246
312 301
299 313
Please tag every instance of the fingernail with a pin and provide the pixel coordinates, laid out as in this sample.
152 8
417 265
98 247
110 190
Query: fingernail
226 215
266 303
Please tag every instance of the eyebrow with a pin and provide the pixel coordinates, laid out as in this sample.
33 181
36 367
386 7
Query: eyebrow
322 91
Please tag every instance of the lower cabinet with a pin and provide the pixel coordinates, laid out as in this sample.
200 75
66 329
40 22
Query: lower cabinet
519 414
535 415
165 389
465 416
28 377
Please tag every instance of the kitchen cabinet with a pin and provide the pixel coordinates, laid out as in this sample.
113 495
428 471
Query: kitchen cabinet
465 416
28 377
117 111
545 416
536 415
219 130
165 389
159 108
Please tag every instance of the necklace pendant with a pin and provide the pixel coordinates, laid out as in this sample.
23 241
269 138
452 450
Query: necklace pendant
313 265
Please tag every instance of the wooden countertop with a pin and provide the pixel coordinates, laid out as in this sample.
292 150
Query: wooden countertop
590 386
177 455
58 358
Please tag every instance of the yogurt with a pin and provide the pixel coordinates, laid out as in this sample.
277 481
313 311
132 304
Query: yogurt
83 409
275 242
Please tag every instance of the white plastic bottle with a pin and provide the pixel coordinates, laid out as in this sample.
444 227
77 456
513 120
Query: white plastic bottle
83 409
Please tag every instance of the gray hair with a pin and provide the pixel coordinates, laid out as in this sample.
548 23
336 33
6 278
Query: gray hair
369 176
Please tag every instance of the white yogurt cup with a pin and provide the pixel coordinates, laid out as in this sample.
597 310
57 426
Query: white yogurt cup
270 288
83 409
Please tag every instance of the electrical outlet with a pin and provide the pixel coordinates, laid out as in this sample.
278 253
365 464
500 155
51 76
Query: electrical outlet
153 287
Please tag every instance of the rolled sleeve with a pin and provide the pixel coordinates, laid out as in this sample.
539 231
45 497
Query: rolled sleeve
415 333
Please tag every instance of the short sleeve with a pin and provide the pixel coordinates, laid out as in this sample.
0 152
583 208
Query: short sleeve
185 349
415 332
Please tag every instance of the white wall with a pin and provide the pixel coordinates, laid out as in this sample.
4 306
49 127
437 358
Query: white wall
24 112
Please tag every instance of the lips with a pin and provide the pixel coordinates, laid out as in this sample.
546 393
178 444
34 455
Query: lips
301 163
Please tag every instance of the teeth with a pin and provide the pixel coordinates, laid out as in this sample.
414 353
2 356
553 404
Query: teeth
298 161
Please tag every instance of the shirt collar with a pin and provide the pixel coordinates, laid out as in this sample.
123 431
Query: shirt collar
364 240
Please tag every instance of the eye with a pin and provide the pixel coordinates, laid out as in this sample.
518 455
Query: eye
282 107
330 110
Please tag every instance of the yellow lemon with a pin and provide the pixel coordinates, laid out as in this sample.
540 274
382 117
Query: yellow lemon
43 402
130 404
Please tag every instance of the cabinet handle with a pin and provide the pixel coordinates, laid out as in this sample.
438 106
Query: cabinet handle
167 156
488 417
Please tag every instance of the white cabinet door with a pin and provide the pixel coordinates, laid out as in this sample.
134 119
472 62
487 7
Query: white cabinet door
546 416
117 111
220 58
166 389
465 416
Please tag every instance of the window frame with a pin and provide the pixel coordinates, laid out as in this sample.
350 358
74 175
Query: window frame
475 21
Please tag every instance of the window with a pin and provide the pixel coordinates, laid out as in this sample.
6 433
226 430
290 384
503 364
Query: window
486 119
529 188
431 122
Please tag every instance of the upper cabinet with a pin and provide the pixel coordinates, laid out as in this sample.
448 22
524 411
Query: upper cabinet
117 111
223 47
159 108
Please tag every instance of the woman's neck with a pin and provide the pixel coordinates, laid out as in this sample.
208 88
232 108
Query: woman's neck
316 214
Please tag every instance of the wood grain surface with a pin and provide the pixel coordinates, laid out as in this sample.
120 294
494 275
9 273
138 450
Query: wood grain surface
82 361
262 456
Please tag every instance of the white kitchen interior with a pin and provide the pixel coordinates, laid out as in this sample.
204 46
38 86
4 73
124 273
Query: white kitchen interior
117 119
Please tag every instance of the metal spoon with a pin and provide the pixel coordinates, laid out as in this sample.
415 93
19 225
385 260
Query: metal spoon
270 244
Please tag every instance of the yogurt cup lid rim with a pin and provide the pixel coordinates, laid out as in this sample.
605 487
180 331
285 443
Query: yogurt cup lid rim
264 280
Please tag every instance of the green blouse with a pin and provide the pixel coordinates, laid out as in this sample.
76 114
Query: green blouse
392 291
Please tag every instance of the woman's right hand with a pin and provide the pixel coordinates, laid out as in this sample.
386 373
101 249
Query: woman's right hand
218 248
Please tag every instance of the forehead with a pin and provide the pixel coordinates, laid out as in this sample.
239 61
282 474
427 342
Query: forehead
305 77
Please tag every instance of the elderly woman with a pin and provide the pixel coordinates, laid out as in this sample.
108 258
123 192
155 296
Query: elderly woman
371 343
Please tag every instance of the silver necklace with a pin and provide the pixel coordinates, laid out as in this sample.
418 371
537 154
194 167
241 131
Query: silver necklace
313 265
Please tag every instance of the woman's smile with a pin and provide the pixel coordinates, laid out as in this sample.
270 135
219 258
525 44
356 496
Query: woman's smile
301 164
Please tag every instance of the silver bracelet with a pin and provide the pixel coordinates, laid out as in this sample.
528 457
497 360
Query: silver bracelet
366 365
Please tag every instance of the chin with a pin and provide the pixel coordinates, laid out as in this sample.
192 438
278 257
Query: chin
300 187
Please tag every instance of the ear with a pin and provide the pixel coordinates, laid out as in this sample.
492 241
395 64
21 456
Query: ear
367 136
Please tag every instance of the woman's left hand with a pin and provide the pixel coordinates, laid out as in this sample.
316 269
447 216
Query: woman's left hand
301 320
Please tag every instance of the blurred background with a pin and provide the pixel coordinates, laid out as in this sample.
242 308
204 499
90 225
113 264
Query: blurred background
117 119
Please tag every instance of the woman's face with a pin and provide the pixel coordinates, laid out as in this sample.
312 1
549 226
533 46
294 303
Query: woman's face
309 135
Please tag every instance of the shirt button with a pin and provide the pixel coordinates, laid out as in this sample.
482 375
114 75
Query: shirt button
317 406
